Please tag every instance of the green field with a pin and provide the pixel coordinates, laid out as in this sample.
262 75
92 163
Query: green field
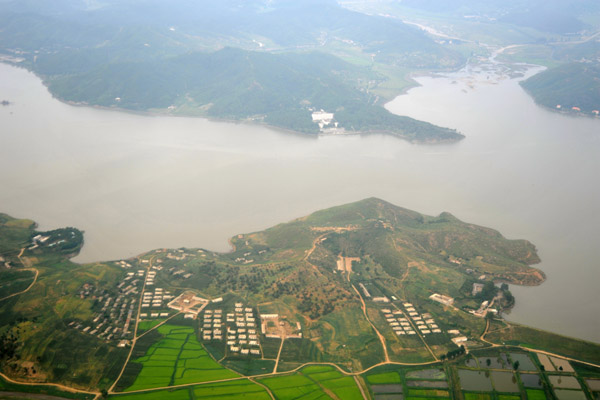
177 358
330 378
477 396
536 394
146 325
294 386
239 389
384 377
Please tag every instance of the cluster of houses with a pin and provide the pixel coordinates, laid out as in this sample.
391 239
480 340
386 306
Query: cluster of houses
245 260
238 328
181 273
40 240
179 255
153 303
123 264
116 317
377 299
425 322
150 278
406 322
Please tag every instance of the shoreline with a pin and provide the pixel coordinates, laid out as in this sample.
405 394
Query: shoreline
166 113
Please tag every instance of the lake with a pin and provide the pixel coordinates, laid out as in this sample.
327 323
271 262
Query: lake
135 183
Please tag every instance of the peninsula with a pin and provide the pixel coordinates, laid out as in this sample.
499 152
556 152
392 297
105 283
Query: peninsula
333 303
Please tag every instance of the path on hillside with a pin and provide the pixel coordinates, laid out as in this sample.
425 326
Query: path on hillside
56 385
381 338
24 269
278 354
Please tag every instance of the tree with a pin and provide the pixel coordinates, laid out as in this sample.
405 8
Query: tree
516 365
104 393
488 362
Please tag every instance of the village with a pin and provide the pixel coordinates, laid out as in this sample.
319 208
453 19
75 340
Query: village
409 321
238 327
114 310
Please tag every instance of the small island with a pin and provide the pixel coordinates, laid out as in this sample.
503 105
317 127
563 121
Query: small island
355 292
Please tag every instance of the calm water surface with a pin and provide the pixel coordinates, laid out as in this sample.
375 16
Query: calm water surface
134 183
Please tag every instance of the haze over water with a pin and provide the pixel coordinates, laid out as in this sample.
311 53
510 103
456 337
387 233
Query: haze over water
134 183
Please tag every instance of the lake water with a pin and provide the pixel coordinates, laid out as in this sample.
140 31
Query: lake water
134 183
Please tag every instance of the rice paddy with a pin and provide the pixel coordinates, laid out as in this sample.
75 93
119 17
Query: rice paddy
562 394
178 358
474 380
531 380
328 377
294 386
238 389
505 381
525 363
536 394
564 382
313 382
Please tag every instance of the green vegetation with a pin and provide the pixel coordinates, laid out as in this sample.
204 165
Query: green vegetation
535 394
384 377
289 270
294 386
570 85
330 379
177 358
14 281
15 233
218 72
238 389
6 386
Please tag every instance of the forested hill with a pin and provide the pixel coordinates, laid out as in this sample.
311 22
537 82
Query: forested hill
569 85
278 89
268 62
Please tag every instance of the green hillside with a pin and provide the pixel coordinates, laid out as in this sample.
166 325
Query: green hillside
276 89
271 63
569 85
